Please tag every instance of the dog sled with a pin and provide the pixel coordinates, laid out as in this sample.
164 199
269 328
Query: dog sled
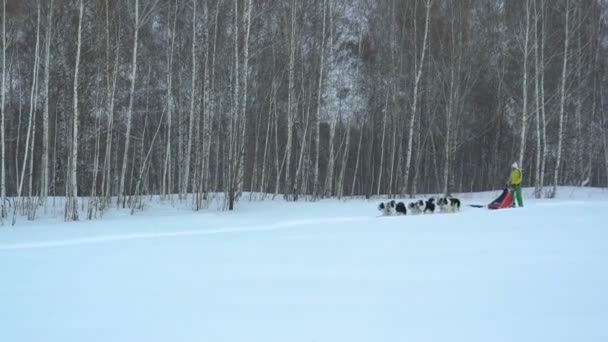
503 201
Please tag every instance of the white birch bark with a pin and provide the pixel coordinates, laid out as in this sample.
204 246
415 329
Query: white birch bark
230 186
72 201
125 158
355 172
3 212
410 138
562 102
317 119
44 187
524 112
287 189
448 133
382 144
111 79
329 174
542 96
186 177
167 171
537 186
298 181
344 163
211 112
208 106
30 132
579 151
243 110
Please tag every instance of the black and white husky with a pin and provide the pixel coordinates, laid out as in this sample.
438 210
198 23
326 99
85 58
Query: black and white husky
427 206
388 209
449 204
391 208
413 208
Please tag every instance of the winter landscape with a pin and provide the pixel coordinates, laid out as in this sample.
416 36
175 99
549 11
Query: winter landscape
325 271
212 170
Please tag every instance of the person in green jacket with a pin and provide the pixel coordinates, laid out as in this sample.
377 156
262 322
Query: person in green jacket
515 185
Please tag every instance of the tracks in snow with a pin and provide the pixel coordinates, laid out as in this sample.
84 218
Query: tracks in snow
175 234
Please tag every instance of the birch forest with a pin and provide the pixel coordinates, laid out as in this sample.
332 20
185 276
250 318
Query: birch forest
107 104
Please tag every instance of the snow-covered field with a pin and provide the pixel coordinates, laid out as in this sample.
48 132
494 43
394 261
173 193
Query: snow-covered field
327 271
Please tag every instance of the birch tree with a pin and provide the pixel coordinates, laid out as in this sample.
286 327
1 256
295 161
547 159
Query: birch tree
186 176
30 130
524 112
329 174
125 157
44 187
71 212
290 99
317 118
167 168
538 100
243 108
111 80
3 212
418 66
562 101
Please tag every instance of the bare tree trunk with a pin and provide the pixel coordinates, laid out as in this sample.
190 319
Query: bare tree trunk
243 110
125 158
352 188
72 200
562 102
382 144
31 203
44 187
167 171
537 186
344 160
290 98
33 100
329 175
106 180
269 127
448 133
233 153
579 152
524 112
144 163
393 154
3 212
317 118
298 181
210 108
604 129
542 96
93 200
186 177
20 119
408 159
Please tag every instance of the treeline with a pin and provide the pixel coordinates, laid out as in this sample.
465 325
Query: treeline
112 100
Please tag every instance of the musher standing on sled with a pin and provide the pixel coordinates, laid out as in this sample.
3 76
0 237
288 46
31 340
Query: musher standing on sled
515 185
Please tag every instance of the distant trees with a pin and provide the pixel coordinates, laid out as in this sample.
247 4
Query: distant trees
113 100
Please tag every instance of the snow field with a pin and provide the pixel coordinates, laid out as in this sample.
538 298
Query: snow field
325 271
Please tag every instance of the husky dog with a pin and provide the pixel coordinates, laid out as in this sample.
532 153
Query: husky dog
401 209
427 206
388 209
449 204
413 208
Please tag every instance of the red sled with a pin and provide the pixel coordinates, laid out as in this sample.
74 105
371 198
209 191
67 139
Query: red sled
503 201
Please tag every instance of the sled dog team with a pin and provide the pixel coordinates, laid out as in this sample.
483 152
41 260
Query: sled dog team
444 204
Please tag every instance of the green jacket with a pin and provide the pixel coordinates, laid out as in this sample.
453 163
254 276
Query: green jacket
515 178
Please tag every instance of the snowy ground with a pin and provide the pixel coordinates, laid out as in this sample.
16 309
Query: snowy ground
327 271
